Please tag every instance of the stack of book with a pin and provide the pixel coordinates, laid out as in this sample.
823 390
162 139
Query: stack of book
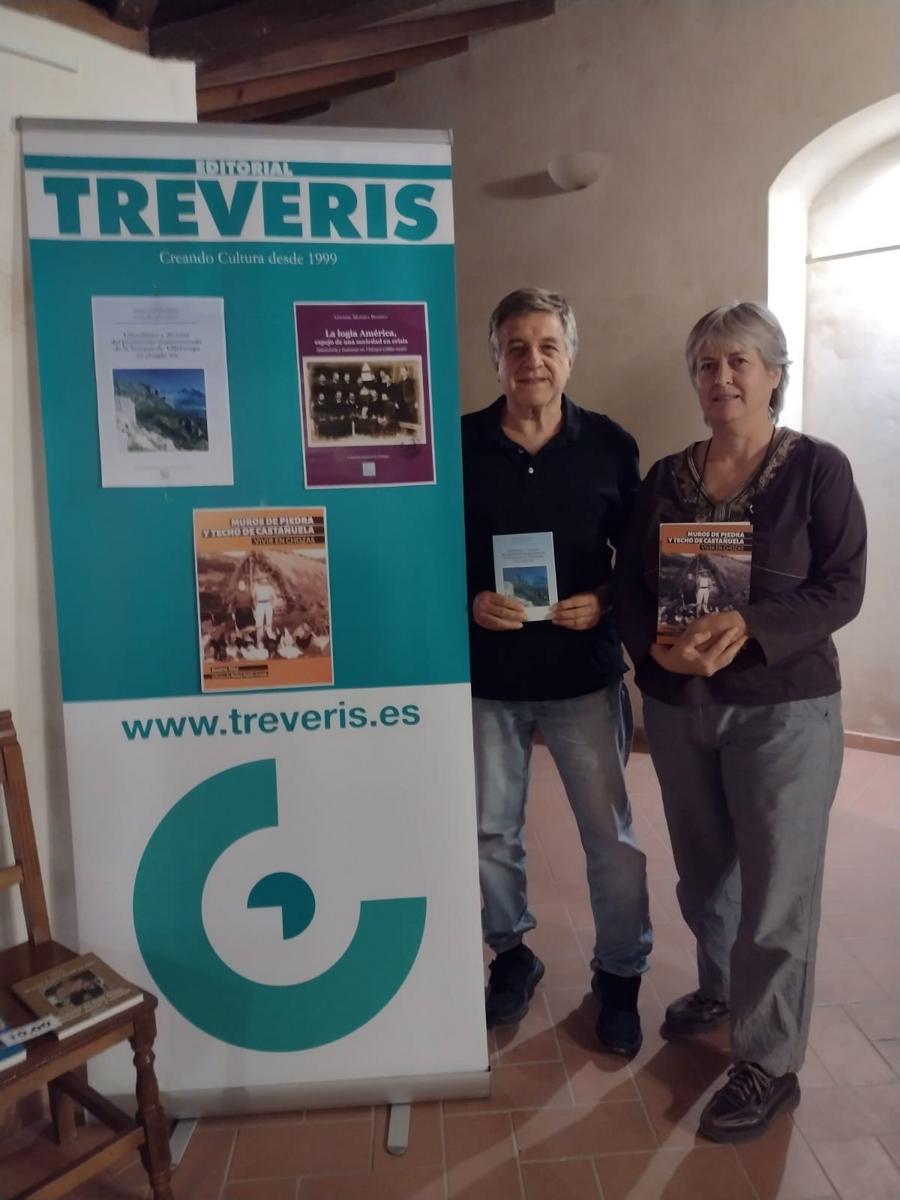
76 995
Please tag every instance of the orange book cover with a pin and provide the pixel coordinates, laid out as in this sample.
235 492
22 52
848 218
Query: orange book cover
263 598
704 567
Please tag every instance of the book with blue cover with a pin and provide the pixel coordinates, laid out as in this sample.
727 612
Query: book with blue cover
10 1056
525 570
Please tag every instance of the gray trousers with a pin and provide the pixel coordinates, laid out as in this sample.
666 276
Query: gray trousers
747 790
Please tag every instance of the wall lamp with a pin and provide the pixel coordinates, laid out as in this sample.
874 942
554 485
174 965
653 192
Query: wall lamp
574 172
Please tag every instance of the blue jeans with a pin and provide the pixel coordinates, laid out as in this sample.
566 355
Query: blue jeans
589 738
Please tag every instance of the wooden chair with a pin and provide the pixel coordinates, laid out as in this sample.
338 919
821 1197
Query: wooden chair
61 1065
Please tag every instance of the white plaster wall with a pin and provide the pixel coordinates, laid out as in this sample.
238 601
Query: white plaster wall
83 77
852 392
699 104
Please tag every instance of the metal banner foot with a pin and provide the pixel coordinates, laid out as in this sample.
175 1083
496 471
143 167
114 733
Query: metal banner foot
179 1139
397 1140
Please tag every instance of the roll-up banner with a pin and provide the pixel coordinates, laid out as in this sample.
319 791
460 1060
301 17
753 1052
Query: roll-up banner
247 354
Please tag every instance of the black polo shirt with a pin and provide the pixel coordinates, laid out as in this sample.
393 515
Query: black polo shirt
581 487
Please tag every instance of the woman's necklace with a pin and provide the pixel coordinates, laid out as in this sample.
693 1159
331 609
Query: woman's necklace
748 483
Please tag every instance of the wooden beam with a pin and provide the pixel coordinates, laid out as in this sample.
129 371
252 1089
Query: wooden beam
385 39
281 105
316 78
220 39
133 14
168 11
293 113
298 114
85 18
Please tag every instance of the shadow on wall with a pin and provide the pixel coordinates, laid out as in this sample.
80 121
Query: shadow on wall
535 186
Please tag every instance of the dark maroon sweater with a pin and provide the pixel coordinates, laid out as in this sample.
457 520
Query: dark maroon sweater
807 576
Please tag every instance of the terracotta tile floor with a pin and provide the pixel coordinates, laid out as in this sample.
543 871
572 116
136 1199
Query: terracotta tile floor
565 1122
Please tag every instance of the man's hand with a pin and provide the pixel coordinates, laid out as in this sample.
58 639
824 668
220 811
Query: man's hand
706 646
491 610
581 611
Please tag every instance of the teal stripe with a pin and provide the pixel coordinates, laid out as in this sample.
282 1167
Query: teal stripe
65 162
188 166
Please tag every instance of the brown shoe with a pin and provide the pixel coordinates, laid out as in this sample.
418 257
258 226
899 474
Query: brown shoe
748 1104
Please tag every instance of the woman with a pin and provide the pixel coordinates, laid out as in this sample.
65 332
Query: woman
742 712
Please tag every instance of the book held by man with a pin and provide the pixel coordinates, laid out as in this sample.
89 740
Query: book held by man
704 567
525 570
81 992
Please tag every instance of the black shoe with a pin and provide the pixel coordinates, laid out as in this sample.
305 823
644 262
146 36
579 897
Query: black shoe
695 1013
619 1024
748 1104
514 975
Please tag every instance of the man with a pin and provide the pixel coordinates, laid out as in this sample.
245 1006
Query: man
704 583
534 462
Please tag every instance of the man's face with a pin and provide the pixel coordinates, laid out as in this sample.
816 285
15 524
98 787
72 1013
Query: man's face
534 363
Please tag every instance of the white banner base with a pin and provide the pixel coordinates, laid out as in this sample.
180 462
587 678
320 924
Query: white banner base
344 1093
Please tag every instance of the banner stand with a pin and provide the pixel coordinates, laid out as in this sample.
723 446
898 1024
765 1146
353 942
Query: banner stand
248 365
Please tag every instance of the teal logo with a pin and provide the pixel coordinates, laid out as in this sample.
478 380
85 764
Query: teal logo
168 921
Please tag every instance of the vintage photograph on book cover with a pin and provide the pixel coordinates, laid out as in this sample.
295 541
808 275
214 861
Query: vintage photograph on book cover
263 598
703 568
80 993
365 394
361 402
162 391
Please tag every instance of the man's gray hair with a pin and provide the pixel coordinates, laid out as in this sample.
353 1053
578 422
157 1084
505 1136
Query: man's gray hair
530 300
744 321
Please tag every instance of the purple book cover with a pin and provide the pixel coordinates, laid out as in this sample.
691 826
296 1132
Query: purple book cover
365 394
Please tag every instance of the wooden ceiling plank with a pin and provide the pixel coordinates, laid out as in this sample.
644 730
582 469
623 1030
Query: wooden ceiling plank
295 82
298 114
402 35
289 114
134 14
77 14
292 103
221 38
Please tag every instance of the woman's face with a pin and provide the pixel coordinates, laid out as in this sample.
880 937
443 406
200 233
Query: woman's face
734 384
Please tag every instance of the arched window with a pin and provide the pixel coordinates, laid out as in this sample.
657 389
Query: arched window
834 262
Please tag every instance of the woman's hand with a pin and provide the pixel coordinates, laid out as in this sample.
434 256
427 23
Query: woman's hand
706 646
492 610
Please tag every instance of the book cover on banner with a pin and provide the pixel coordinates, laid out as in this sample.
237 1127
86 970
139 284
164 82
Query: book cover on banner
162 391
81 992
704 567
365 394
525 570
263 598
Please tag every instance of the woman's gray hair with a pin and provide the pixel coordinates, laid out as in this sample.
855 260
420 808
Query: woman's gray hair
743 322
529 300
